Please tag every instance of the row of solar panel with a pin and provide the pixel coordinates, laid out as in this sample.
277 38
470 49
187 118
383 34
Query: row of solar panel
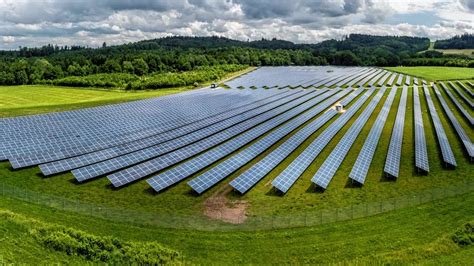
297 77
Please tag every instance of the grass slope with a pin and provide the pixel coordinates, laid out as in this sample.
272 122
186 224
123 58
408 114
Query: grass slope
412 235
436 73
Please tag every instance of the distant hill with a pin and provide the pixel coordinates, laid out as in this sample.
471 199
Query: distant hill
465 41
213 42
353 42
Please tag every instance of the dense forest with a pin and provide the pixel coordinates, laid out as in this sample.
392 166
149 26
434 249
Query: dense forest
465 41
184 61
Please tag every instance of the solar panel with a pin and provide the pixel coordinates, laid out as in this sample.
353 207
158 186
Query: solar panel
225 168
127 160
278 77
362 164
178 173
173 138
392 79
443 141
288 177
344 78
407 80
421 152
459 129
187 132
383 79
376 78
463 96
369 77
399 80
253 175
465 113
392 162
361 77
97 136
326 172
34 159
466 89
39 124
58 127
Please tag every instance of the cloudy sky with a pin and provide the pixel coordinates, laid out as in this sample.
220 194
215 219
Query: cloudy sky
91 22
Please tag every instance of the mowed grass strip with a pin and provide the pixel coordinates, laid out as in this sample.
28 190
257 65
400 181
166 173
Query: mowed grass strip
436 73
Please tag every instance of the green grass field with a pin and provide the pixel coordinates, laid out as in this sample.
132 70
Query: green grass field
409 235
466 52
436 73
34 99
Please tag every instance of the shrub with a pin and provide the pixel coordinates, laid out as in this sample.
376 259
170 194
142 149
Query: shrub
98 80
188 78
104 249
464 236
153 81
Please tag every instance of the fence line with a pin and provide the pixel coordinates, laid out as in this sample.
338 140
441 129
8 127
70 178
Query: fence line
311 218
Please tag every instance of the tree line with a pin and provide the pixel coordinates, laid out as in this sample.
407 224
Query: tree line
465 41
168 58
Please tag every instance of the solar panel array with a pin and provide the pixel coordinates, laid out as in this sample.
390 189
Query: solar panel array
462 94
421 152
461 108
173 139
141 170
383 79
99 135
362 164
291 173
468 145
391 80
187 168
209 134
399 80
407 81
466 89
392 161
368 78
254 174
446 150
225 168
298 76
326 172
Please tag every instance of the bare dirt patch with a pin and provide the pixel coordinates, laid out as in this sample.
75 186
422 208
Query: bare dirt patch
219 207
